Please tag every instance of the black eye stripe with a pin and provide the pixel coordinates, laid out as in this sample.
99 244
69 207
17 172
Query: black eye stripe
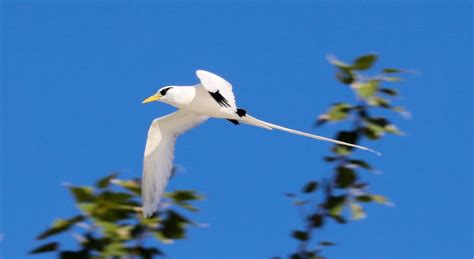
164 90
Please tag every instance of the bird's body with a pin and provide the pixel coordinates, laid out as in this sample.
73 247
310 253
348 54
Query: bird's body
212 97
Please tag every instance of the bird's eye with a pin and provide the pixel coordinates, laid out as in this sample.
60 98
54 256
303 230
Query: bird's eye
164 90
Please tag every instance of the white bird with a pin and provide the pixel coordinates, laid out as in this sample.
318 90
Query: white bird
212 97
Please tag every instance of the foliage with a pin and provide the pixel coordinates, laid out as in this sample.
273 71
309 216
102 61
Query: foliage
110 222
343 193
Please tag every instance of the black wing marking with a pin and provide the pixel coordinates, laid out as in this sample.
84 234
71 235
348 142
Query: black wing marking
235 122
241 112
220 99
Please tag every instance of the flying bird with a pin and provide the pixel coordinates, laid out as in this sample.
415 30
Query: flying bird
212 97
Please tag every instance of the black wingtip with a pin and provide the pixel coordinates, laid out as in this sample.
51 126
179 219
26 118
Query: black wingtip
235 122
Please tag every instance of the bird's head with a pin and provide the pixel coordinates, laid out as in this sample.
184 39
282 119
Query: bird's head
166 94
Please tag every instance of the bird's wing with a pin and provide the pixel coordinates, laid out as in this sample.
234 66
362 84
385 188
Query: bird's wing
159 153
218 87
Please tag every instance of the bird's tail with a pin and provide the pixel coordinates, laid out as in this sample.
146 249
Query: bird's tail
263 124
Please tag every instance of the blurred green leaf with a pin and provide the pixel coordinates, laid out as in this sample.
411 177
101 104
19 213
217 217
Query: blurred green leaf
346 136
391 70
300 235
144 253
357 211
60 226
380 199
173 226
360 163
367 89
338 218
310 187
330 158
378 101
82 193
116 197
114 249
389 91
364 198
345 76
370 133
86 207
105 181
130 185
364 62
333 60
74 255
326 243
49 247
391 79
183 195
335 204
339 111
317 220
345 177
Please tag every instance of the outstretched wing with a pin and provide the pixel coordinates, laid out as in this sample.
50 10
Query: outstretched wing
218 87
159 153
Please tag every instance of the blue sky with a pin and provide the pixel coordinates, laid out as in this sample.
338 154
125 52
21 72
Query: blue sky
74 74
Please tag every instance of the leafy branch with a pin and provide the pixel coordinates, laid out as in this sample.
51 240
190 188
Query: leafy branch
110 222
342 195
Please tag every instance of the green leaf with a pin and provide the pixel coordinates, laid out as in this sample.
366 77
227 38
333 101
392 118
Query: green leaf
389 91
338 218
87 207
114 249
360 163
382 125
381 102
357 211
341 150
326 243
49 247
339 111
364 198
330 158
60 226
335 204
184 195
391 70
345 177
391 79
367 89
371 133
130 185
317 220
105 181
310 187
143 252
74 254
346 136
380 199
173 226
333 60
300 235
364 62
345 76
82 193
115 197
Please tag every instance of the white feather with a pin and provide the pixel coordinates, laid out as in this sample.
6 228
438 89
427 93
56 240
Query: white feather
159 153
213 83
